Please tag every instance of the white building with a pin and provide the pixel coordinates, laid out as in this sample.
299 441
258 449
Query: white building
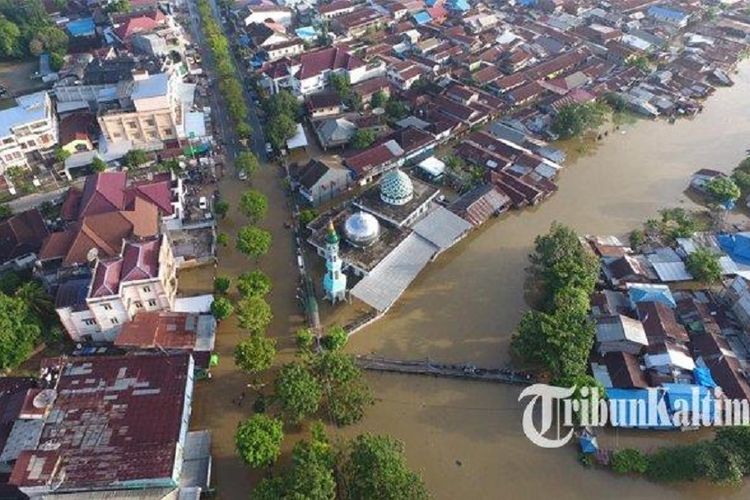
259 14
142 278
28 128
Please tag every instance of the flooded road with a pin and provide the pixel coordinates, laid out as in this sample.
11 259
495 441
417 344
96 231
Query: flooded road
465 437
465 306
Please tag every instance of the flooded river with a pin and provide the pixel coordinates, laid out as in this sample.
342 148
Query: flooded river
465 437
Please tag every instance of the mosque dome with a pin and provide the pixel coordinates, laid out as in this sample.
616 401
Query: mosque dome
396 188
361 229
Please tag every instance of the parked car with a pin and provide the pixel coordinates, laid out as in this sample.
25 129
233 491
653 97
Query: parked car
203 203
269 148
242 175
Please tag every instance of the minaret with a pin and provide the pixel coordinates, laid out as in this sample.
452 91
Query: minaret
334 281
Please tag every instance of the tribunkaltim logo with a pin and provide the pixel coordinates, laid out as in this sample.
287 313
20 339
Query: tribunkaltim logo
552 413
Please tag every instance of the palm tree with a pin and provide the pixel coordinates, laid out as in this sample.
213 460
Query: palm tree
37 300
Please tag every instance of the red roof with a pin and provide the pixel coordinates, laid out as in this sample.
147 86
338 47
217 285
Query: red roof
164 330
330 58
140 23
116 420
21 234
139 261
103 192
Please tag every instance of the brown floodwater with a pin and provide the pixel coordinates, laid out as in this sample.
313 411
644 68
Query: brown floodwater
465 437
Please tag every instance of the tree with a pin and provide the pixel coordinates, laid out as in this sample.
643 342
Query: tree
280 129
253 205
253 242
742 179
258 440
637 238
345 392
379 99
56 61
340 83
255 354
253 284
19 331
704 265
376 468
10 282
574 119
307 216
243 130
221 208
50 39
221 284
118 6
222 239
723 190
298 392
305 339
135 158
282 103
10 40
98 165
254 314
221 308
335 339
5 211
246 162
37 300
362 138
640 61
61 154
395 110
629 461
615 101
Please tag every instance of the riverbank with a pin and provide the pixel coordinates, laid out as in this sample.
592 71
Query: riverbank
467 304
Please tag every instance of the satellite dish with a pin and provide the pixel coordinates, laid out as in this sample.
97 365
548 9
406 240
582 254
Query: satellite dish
378 111
92 254
45 398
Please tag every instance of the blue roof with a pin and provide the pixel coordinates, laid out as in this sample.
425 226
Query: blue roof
702 376
306 32
527 3
684 394
737 246
651 293
422 17
460 5
661 11
82 27
633 409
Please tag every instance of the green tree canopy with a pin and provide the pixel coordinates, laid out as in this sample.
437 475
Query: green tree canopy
363 138
222 239
253 284
376 468
345 392
335 339
282 103
723 189
280 129
298 391
10 40
221 208
258 440
379 99
253 205
704 265
19 331
254 314
221 284
98 165
574 119
221 308
340 83
246 162
253 242
255 354
395 110
135 158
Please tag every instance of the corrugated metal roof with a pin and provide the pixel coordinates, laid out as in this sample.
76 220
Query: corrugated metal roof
388 280
442 228
672 271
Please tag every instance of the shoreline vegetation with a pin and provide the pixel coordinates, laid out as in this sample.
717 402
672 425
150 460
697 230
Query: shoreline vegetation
557 334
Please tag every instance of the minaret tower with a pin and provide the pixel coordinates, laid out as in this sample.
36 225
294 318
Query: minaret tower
334 281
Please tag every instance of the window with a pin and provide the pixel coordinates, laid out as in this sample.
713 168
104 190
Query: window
107 307
115 321
152 303
146 289
167 131
117 134
138 304
132 125
150 122
89 321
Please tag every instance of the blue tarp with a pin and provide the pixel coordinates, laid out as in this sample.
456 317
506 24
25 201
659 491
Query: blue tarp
702 376
459 5
737 246
651 293
82 27
422 17
634 409
684 394
588 443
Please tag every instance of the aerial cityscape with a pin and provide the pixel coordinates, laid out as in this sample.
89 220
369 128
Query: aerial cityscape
374 249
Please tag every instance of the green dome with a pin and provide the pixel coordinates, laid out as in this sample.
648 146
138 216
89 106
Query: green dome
396 188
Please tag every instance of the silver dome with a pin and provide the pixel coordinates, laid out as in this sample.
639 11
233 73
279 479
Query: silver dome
361 229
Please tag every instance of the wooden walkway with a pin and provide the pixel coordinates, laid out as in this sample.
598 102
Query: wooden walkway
462 371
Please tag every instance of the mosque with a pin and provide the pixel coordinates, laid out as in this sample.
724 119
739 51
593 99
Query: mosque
382 239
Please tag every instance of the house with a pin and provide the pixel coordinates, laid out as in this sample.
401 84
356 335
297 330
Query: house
109 426
368 88
289 48
260 13
323 104
128 25
356 23
141 278
668 14
150 113
481 203
334 132
619 369
265 34
314 68
318 182
28 131
336 8
78 132
403 74
21 237
620 333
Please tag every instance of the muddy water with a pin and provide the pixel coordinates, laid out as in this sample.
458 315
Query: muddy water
466 437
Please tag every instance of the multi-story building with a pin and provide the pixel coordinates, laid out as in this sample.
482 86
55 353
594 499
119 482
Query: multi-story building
28 129
142 278
148 112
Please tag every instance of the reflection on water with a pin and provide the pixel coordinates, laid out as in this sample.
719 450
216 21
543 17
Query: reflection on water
466 305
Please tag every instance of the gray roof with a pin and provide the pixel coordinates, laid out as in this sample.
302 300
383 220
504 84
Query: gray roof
671 271
196 465
336 130
618 328
442 228
29 108
154 86
388 280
